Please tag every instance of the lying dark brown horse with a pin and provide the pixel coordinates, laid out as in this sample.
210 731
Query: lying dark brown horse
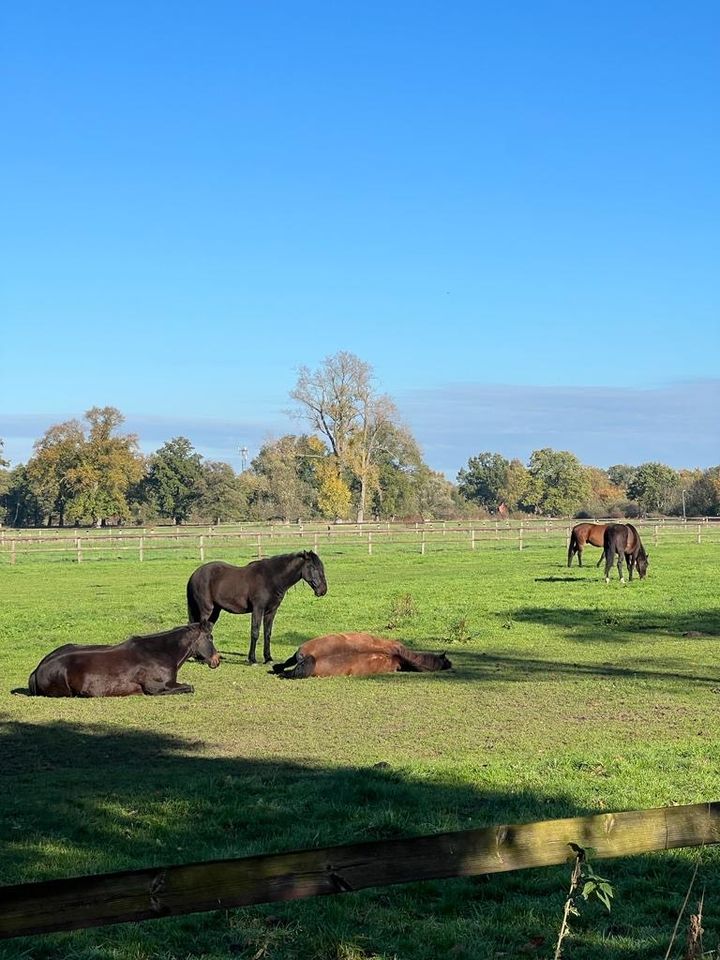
147 664
356 655
257 588
583 533
623 540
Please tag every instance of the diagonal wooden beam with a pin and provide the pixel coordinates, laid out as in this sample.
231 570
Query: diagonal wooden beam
68 904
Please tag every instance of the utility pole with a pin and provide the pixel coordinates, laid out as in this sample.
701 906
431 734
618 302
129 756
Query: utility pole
244 458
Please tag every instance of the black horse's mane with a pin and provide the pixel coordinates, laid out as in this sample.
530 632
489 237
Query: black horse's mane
166 634
280 559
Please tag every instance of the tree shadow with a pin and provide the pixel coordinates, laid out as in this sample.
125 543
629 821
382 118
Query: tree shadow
613 625
80 798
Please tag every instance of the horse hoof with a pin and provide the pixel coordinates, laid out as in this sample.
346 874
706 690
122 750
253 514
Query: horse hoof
252 663
607 579
268 659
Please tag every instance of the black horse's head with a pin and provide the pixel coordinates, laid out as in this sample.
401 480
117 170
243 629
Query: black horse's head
444 661
203 648
641 563
313 573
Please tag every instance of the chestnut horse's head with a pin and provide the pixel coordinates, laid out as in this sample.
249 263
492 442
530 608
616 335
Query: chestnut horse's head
313 573
203 648
444 663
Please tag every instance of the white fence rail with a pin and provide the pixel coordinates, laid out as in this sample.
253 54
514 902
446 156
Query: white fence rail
208 542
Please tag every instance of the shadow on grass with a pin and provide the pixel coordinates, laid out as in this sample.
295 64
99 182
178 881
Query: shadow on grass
79 799
606 625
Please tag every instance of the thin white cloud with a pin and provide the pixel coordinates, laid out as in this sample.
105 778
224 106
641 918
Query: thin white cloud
676 424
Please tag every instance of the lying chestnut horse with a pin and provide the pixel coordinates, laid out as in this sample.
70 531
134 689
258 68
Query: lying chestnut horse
583 533
356 655
623 540
147 664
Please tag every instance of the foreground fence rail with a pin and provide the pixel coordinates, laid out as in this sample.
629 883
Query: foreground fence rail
206 542
68 904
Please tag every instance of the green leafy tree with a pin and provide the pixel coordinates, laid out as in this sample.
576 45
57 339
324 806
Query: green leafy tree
222 494
174 479
485 481
621 475
285 478
654 486
557 482
19 503
702 498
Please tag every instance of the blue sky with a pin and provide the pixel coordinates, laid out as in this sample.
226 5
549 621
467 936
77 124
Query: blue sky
511 211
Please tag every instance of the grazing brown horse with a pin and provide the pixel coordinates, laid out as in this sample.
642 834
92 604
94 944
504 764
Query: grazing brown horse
146 664
257 588
623 540
356 655
583 533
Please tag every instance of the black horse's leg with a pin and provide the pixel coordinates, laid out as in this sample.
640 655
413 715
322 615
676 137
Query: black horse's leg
257 616
290 662
571 551
304 669
267 633
608 564
158 689
620 566
630 561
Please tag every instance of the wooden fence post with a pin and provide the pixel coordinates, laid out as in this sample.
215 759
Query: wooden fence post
369 543
422 543
202 550
698 533
79 549
12 548
259 546
315 543
472 538
655 535
140 547
521 535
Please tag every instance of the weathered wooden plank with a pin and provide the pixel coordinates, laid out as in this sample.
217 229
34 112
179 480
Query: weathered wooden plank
165 891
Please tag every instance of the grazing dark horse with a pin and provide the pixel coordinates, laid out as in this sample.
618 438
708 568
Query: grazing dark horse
356 655
583 533
623 540
257 588
147 664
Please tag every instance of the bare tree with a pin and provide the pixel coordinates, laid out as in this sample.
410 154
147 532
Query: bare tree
339 400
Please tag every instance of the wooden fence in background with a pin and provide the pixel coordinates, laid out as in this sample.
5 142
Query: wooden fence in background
68 904
249 541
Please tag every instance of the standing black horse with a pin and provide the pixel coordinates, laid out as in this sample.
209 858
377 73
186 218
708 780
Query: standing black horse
257 588
146 664
623 540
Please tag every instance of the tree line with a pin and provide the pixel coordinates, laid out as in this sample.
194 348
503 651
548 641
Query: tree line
357 461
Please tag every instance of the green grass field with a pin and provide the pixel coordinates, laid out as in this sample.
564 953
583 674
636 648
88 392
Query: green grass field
568 697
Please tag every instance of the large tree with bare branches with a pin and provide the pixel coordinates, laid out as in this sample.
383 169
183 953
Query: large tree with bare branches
340 401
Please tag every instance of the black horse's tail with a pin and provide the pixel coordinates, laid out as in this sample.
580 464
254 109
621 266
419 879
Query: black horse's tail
192 604
572 547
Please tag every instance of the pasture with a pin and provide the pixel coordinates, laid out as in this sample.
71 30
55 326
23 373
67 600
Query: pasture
568 696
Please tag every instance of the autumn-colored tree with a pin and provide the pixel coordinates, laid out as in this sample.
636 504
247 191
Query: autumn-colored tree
285 478
107 467
334 496
339 400
55 455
